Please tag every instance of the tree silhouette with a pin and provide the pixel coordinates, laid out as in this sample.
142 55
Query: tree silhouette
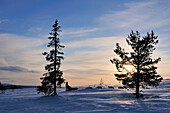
2 88
143 72
53 76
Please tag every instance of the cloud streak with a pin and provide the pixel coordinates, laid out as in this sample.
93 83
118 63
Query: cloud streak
3 20
21 59
78 31
140 16
89 60
16 69
88 49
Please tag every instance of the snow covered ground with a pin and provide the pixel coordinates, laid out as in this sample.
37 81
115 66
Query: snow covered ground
155 100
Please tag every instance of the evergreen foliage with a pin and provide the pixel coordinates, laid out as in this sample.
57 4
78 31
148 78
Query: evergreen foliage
2 88
53 77
143 72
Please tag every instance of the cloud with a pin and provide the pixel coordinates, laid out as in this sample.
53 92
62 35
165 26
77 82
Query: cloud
140 16
3 62
88 76
36 30
7 80
21 50
16 69
3 20
21 58
20 78
97 42
143 16
85 57
77 32
89 60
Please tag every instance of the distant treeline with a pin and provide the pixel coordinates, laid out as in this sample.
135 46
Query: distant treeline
18 87
10 86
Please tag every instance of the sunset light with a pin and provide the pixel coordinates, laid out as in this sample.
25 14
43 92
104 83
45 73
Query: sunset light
90 30
84 56
130 68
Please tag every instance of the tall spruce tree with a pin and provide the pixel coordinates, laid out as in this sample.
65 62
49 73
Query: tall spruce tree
53 77
143 72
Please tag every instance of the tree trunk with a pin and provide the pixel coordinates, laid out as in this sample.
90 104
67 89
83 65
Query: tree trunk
55 54
137 78
137 84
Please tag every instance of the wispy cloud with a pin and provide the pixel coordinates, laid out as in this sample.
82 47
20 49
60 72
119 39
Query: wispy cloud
74 32
35 30
87 57
19 49
3 20
143 16
98 42
3 62
7 80
16 69
89 60
21 54
146 15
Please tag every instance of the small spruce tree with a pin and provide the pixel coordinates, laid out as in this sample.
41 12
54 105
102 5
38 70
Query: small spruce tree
53 77
2 88
143 72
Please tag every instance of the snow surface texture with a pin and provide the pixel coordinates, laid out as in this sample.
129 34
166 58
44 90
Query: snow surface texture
155 100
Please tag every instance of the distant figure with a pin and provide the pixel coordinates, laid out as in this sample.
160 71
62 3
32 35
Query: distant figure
68 88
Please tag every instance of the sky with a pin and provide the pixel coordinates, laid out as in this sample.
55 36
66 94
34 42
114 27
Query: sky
90 31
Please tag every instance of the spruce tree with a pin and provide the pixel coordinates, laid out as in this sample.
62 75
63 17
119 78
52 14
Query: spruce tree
53 76
2 88
143 70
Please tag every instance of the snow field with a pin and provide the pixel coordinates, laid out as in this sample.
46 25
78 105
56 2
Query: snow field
155 100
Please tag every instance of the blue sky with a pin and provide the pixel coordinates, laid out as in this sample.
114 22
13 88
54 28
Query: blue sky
91 28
